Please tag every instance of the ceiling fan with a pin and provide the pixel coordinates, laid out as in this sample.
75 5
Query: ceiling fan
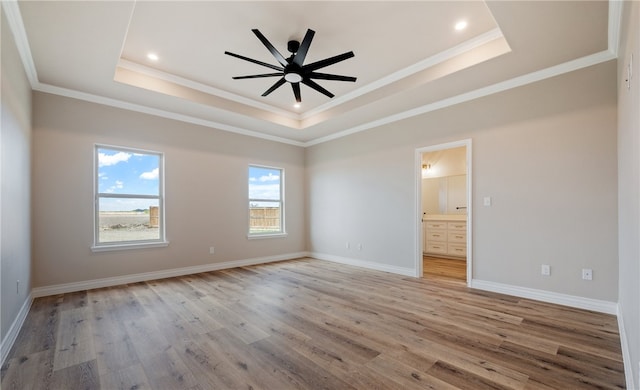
292 69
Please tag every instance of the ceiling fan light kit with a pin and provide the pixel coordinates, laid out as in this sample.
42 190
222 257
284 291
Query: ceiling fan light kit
292 69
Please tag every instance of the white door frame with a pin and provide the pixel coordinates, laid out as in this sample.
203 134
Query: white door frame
418 203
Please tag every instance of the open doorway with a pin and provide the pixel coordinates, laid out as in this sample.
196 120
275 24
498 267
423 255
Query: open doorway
443 204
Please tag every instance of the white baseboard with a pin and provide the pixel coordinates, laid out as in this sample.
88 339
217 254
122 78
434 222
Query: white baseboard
364 264
626 354
14 330
547 296
143 277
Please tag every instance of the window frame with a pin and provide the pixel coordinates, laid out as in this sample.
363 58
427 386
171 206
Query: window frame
283 231
161 241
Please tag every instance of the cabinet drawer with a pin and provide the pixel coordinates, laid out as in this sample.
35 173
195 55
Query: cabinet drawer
457 237
457 250
457 226
436 247
436 235
436 225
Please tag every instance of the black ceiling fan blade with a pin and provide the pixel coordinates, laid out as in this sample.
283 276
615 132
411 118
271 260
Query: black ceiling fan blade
314 85
326 76
254 61
304 47
274 86
257 76
328 61
269 46
296 92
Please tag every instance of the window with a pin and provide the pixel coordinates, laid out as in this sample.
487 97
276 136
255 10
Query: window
129 207
266 201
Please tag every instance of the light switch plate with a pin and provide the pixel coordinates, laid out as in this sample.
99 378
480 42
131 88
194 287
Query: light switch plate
546 270
487 201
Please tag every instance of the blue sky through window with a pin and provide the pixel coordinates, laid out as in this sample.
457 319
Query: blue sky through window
125 172
264 183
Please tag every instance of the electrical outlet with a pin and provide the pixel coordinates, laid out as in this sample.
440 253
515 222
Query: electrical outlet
348 245
359 247
546 270
212 250
587 274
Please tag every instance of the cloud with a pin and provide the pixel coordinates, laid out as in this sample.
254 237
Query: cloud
152 175
269 177
271 191
105 160
117 186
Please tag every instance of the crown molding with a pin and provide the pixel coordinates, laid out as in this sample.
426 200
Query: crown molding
16 25
52 89
14 18
158 74
546 73
615 18
438 58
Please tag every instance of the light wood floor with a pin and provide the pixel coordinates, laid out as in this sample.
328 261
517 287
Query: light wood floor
309 324
436 267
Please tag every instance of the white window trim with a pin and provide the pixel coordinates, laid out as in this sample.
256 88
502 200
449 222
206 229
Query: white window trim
283 231
260 236
125 245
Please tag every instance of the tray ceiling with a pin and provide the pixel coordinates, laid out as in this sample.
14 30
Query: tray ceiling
409 58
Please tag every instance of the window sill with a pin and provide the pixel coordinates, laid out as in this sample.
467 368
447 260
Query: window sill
263 236
128 246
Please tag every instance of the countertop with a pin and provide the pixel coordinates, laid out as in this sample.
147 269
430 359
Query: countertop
445 217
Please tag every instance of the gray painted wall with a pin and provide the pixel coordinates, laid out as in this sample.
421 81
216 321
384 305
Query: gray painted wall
15 190
206 176
545 153
629 185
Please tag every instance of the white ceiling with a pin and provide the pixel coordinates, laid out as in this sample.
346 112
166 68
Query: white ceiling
409 59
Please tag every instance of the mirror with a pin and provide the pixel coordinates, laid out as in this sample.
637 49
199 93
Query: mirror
444 195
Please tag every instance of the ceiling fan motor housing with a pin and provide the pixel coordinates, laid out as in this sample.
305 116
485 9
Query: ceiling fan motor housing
293 46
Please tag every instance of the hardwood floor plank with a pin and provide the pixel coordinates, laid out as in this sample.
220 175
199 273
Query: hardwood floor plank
211 365
546 369
40 327
461 378
80 376
113 346
167 370
405 377
310 324
129 378
599 368
28 372
74 340
301 371
147 339
240 327
448 268
238 354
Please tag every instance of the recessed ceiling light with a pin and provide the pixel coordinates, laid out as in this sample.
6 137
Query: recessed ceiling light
296 105
461 25
153 56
